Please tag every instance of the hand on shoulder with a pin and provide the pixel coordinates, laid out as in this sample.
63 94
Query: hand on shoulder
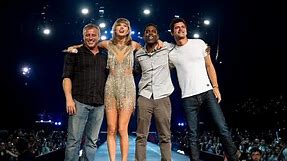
72 49
160 44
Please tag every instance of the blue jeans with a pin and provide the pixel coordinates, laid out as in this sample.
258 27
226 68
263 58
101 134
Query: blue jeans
207 100
84 126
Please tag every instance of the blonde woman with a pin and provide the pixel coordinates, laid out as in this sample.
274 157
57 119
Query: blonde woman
120 91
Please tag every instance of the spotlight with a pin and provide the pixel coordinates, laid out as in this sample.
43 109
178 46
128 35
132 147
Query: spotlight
85 11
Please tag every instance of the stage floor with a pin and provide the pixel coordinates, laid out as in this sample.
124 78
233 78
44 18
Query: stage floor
153 152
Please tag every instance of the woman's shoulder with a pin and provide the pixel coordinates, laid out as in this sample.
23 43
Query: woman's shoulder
104 43
136 45
134 42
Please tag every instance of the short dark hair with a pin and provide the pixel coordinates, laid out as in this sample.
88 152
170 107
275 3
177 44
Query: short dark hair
176 20
255 149
151 24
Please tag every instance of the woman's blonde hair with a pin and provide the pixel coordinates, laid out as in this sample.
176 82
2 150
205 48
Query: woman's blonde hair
128 36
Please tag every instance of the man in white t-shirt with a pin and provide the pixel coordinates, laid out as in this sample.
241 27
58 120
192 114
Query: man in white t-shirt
198 82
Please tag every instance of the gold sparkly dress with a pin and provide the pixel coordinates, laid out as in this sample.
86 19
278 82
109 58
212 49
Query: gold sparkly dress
120 91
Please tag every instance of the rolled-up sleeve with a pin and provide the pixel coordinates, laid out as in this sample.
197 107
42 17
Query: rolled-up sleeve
69 65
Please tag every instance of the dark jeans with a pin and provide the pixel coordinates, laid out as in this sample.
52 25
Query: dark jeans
161 110
207 100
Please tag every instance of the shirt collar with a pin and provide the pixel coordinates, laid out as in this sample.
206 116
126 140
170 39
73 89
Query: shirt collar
150 53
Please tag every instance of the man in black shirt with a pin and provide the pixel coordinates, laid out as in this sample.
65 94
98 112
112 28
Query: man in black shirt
84 78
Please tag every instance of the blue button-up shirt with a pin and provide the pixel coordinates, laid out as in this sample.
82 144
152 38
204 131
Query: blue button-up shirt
155 76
